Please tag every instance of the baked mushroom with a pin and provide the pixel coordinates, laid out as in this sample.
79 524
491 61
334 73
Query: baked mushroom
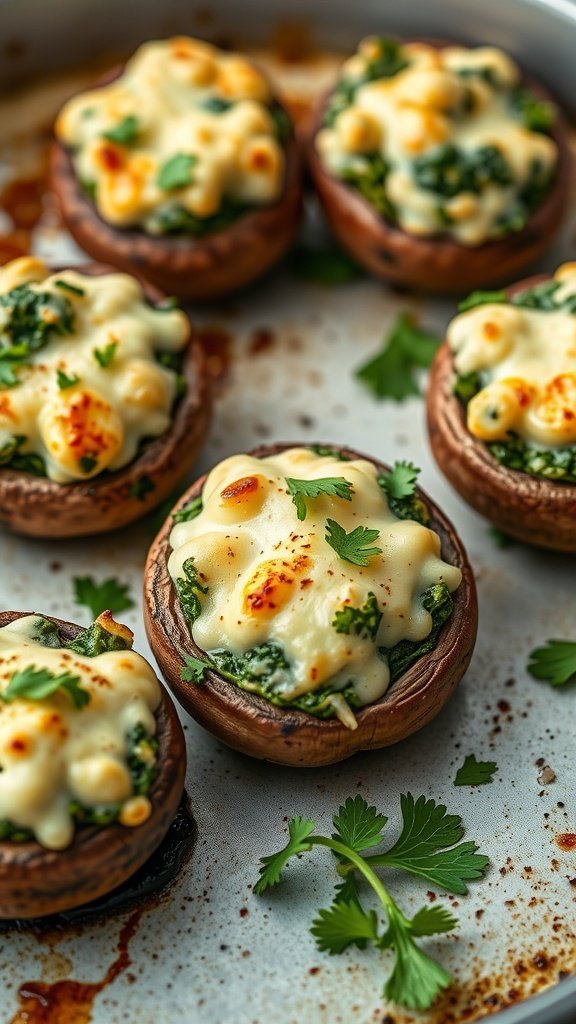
440 167
183 167
104 399
92 762
502 408
307 603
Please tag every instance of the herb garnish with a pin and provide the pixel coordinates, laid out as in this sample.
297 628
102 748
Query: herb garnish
399 486
363 621
38 683
189 511
352 547
332 486
104 356
141 488
32 318
391 373
110 595
64 381
188 588
481 298
425 848
67 287
475 773
125 132
555 662
177 171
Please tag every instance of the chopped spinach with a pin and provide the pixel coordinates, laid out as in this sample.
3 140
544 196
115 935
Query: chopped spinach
386 63
536 115
558 464
189 511
188 588
448 170
30 320
466 386
175 219
142 757
363 621
438 601
14 833
334 453
12 458
409 506
368 175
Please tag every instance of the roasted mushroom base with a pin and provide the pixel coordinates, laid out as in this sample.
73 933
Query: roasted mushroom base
39 507
35 881
253 725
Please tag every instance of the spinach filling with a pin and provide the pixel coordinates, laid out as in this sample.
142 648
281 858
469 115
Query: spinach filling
448 170
142 746
514 452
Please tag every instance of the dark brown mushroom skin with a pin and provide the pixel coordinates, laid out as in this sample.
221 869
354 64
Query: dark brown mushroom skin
440 264
253 725
536 511
200 269
39 507
35 881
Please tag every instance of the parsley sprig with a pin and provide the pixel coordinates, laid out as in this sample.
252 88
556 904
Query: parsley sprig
555 663
426 847
38 683
475 773
352 547
391 373
109 596
332 486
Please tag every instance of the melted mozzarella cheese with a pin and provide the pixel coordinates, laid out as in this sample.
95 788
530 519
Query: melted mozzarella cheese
273 577
528 359
52 753
168 87
423 107
99 422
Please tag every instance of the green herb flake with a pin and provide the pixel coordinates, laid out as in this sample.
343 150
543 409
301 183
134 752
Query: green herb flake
141 488
64 381
363 621
124 133
188 511
104 356
189 587
38 683
111 595
391 373
481 298
333 487
426 848
67 287
87 463
177 171
555 663
194 669
475 773
352 547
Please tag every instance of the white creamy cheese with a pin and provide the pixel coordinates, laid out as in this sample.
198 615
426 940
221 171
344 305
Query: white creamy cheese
435 102
528 359
186 99
273 577
97 421
52 753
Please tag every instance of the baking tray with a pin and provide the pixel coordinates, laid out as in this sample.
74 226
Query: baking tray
283 355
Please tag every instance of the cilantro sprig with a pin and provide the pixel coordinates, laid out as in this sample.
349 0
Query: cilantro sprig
332 486
475 773
109 596
38 683
426 847
352 547
555 663
391 373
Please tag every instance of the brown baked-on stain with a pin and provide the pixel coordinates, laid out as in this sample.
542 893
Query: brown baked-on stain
261 340
217 344
71 1002
22 200
566 841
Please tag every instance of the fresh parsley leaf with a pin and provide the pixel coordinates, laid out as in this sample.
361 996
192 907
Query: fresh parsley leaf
141 488
343 925
401 481
67 287
110 595
271 870
391 372
363 621
333 486
64 381
359 825
328 266
38 683
555 662
475 773
125 132
422 848
177 171
194 670
351 547
189 587
481 298
416 980
104 356
189 511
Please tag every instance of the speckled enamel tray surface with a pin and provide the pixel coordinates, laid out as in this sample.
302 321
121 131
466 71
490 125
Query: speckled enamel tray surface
210 951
